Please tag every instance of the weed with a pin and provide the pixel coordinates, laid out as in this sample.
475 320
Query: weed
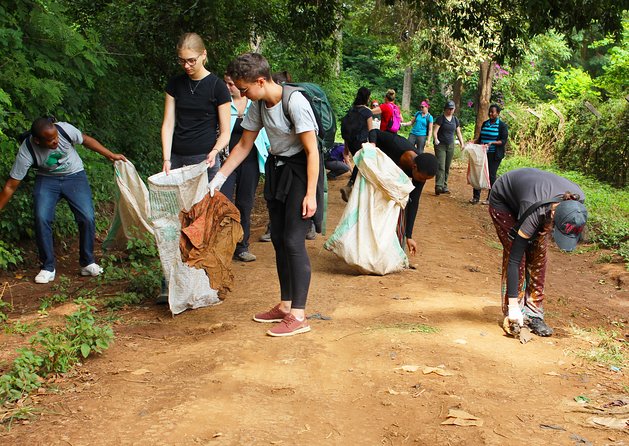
407 326
605 347
4 307
494 244
122 300
605 258
9 256
20 327
18 412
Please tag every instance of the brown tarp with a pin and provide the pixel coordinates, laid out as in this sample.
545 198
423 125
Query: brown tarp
209 233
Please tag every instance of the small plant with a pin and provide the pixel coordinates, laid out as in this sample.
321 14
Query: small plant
4 307
408 326
19 327
605 347
122 300
9 256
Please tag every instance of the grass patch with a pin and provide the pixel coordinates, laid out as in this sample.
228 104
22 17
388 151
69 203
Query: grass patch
605 347
407 326
494 244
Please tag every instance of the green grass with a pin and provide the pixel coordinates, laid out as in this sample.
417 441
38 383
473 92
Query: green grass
407 326
605 348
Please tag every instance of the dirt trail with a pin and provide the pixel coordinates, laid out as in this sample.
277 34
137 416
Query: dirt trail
212 377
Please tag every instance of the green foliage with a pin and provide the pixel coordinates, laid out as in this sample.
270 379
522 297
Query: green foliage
9 256
573 83
122 300
55 351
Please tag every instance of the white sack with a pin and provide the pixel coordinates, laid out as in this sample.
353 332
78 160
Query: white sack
477 166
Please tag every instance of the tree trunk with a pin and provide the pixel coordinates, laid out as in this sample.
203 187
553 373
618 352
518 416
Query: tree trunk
457 93
406 89
485 80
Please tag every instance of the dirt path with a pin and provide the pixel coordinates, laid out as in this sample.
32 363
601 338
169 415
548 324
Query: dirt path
211 377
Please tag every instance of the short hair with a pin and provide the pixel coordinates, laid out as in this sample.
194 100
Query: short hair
40 124
390 94
191 41
249 67
280 77
496 106
362 96
427 163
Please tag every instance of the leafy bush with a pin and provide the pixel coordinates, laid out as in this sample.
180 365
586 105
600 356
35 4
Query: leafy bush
573 83
9 255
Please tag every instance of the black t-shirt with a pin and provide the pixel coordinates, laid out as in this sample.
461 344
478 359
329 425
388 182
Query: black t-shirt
196 112
447 129
356 143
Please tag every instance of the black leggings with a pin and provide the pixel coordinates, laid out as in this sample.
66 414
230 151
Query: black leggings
288 234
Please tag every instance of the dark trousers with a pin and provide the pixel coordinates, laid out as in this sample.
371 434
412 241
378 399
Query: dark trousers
243 182
419 142
288 234
336 168
493 164
75 189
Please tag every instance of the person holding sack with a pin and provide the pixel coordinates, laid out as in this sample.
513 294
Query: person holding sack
422 128
494 134
294 179
526 205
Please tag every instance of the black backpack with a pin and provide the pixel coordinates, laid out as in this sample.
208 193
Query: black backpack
352 125
26 137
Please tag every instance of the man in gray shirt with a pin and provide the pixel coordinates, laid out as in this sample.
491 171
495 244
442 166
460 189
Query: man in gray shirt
50 150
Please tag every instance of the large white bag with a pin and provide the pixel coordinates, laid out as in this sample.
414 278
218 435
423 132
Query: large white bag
131 216
477 166
365 236
169 194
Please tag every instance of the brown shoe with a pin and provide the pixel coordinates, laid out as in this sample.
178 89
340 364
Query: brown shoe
289 326
275 314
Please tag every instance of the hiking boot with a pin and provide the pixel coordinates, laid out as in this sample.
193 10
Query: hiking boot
474 201
275 314
312 234
289 326
346 192
245 256
45 276
539 327
445 190
266 237
91 270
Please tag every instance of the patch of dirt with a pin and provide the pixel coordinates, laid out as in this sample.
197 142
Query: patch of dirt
212 377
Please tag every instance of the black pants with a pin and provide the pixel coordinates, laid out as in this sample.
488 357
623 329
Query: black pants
288 234
493 164
243 182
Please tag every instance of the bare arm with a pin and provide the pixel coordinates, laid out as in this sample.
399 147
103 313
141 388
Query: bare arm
429 134
168 128
224 112
97 147
7 191
460 136
435 130
309 141
411 122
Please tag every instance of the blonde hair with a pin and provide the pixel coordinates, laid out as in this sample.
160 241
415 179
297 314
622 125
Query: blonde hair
191 41
390 94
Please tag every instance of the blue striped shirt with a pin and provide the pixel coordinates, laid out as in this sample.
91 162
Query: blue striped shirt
489 133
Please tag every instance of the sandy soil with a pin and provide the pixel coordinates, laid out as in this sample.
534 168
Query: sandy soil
212 377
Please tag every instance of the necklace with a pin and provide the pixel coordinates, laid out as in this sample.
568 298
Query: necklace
193 89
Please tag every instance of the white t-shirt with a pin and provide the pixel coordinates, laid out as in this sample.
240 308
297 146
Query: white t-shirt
284 140
64 160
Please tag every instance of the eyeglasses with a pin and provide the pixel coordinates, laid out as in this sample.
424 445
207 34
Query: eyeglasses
242 90
190 61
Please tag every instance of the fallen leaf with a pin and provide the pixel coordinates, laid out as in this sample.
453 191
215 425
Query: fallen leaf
552 374
525 335
218 434
19 276
393 392
461 418
410 368
437 370
554 427
140 372
611 422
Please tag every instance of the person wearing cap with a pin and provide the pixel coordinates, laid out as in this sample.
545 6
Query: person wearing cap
557 206
422 127
444 130
494 134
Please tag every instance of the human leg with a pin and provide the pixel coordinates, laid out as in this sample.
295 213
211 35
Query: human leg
246 184
448 162
76 190
440 153
46 195
414 140
493 164
336 168
421 144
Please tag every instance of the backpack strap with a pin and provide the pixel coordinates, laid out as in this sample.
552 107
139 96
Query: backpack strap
29 146
287 92
63 133
513 232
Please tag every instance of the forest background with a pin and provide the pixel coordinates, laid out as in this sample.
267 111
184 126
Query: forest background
560 69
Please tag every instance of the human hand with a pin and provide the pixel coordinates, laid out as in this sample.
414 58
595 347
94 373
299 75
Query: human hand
117 157
515 314
346 159
211 158
436 142
412 246
308 206
216 183
166 167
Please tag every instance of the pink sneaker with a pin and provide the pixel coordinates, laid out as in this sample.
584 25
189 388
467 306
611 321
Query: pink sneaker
289 326
275 314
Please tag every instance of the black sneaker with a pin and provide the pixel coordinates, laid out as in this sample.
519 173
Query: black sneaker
539 327
445 190
438 191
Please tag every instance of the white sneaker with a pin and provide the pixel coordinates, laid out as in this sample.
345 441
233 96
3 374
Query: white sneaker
45 276
91 270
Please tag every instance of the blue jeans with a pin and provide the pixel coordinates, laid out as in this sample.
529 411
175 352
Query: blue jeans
76 191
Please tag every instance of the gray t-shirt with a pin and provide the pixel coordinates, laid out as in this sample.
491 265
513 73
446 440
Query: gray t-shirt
64 160
518 189
284 140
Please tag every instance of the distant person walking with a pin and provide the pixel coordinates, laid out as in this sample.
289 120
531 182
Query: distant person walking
422 128
444 130
391 117
197 104
526 205
494 133
49 149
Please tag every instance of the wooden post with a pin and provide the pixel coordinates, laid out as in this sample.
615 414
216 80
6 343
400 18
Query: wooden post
593 109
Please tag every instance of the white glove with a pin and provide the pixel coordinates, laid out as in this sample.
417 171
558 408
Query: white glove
515 314
216 183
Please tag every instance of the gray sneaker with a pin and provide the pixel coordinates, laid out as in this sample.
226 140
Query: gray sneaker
245 257
266 237
312 234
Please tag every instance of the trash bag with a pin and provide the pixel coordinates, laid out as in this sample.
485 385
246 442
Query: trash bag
477 166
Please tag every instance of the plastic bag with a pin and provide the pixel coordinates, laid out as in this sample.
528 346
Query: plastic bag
477 166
